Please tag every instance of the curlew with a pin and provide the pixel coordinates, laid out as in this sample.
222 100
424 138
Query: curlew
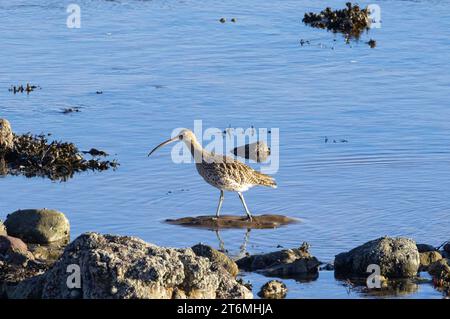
222 172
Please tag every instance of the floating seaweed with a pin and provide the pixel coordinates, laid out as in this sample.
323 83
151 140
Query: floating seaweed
34 155
351 21
21 89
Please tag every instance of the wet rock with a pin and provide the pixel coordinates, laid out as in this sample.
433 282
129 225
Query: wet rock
423 248
372 43
428 258
127 267
447 248
273 289
222 20
397 258
2 229
95 152
351 21
216 258
233 221
258 151
284 263
6 137
327 267
14 250
440 270
39 226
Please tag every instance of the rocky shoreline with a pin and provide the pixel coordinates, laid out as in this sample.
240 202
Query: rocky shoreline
38 262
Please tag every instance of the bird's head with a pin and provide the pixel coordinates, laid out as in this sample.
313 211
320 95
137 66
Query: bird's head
185 135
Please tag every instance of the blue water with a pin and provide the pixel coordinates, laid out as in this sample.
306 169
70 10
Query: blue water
163 64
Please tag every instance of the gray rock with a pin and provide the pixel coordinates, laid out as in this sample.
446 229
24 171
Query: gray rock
286 262
39 226
6 136
273 289
258 151
423 248
397 258
217 258
428 258
2 229
127 267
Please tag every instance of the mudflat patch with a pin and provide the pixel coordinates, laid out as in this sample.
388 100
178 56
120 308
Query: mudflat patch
233 221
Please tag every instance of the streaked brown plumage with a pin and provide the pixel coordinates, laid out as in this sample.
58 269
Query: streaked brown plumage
222 172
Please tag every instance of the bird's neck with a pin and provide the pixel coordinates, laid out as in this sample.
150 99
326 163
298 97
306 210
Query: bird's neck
197 151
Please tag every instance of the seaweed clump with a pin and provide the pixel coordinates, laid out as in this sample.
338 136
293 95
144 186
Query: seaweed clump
351 21
33 155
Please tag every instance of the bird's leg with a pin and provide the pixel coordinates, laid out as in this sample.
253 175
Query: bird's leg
245 206
220 204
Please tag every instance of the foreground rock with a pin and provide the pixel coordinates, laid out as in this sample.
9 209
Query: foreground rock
2 229
423 248
127 267
285 263
217 258
428 258
397 258
440 270
39 226
273 289
233 221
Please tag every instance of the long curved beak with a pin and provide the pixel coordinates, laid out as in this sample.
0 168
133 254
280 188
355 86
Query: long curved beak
163 143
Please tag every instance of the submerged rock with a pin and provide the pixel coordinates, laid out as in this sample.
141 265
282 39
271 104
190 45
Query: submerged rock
39 226
127 267
232 221
273 289
397 258
217 258
284 263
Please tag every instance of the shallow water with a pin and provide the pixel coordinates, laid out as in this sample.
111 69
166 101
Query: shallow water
163 64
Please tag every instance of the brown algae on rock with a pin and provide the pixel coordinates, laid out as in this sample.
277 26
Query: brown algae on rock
232 221
33 155
350 21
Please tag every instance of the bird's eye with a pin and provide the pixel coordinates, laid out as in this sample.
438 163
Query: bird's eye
181 137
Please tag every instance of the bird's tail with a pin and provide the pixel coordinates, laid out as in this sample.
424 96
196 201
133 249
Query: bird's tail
266 180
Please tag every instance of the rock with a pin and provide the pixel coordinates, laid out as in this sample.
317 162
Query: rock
6 136
440 270
48 254
217 258
439 267
258 151
14 250
284 263
327 267
423 248
447 248
428 258
232 221
273 289
397 258
2 229
127 267
39 226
